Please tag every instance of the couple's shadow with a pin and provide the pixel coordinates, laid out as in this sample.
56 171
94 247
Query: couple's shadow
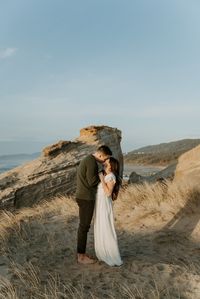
172 244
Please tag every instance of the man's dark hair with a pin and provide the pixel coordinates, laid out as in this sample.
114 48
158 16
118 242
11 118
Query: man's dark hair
104 149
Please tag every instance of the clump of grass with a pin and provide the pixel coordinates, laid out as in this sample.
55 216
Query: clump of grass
152 195
11 222
30 286
7 290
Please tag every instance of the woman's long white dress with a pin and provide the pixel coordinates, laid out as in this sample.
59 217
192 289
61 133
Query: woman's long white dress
105 238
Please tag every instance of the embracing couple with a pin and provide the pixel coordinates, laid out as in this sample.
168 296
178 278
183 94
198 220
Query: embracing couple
94 194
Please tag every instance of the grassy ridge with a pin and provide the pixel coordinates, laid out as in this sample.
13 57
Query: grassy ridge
161 154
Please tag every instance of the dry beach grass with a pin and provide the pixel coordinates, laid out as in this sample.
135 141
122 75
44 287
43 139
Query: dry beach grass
158 234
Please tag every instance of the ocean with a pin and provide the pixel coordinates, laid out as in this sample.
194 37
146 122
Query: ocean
8 162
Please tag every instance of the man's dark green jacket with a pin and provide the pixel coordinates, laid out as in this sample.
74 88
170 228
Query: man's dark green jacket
87 178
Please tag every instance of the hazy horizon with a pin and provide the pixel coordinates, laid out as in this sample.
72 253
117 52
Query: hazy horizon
31 147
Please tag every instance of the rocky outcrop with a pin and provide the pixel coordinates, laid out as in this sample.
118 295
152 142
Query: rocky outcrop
188 168
135 178
54 172
165 174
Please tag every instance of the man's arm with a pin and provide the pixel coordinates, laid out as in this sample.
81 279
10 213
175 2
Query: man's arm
92 174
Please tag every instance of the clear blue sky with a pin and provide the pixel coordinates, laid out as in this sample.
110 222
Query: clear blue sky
130 64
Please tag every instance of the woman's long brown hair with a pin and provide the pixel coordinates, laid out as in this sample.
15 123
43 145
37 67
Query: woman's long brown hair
115 169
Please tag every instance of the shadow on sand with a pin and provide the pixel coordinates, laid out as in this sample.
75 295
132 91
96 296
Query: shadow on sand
173 244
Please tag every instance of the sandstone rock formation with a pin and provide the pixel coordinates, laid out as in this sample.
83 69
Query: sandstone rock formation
188 168
54 172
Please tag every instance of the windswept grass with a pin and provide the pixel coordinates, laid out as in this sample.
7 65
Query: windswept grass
38 248
152 195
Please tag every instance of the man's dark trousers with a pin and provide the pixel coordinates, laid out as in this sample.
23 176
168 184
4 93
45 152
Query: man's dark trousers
86 209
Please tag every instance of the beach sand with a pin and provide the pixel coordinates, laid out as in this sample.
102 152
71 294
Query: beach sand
158 241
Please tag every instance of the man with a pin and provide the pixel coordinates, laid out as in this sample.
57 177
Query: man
87 181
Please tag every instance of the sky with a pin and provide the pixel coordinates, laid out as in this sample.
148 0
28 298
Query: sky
129 64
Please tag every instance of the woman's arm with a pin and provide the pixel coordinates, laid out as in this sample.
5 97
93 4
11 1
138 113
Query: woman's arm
107 187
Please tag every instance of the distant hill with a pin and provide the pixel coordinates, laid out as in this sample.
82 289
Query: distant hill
162 154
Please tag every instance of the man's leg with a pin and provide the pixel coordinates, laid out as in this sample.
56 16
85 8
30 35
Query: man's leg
86 209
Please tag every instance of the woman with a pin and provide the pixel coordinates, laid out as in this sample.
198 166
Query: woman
105 239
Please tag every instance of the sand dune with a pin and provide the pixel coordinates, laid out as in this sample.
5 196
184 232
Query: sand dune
158 234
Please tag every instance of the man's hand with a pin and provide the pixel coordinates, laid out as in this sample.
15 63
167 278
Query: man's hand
101 176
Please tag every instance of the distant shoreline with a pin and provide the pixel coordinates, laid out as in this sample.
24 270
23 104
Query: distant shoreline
144 170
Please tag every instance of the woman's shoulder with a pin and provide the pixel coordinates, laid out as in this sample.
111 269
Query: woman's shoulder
110 177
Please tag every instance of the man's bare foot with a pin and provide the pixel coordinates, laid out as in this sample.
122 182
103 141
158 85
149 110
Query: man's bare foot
84 259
